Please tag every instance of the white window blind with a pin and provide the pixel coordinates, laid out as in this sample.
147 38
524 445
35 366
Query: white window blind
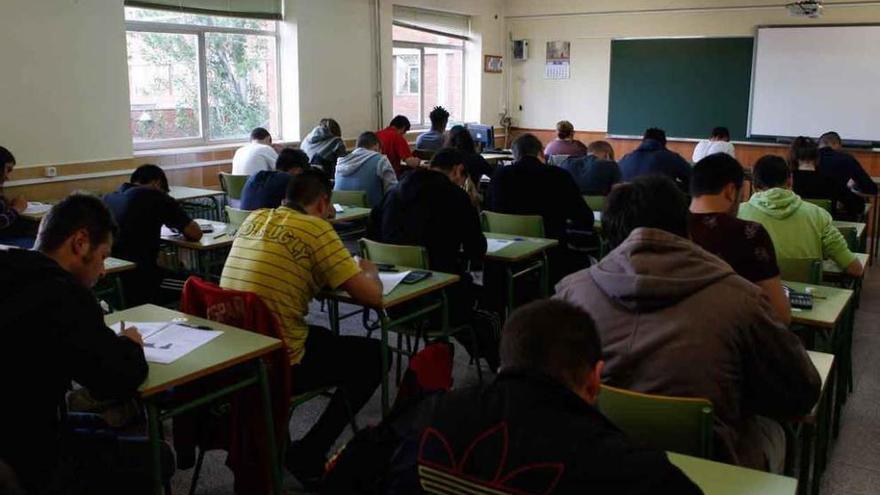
453 25
260 9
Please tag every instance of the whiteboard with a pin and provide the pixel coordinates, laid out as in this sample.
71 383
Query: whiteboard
809 80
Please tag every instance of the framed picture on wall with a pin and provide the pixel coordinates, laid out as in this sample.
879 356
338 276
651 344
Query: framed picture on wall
492 63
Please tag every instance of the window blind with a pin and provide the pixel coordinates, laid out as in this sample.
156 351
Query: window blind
258 9
455 25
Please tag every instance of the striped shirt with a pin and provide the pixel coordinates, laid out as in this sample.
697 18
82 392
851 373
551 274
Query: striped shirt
286 257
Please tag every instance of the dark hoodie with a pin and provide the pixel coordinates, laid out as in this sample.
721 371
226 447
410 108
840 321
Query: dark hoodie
427 209
53 332
676 320
653 158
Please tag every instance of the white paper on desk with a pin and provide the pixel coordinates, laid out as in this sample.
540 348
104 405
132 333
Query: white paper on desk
597 216
390 280
167 232
145 328
34 208
495 245
175 341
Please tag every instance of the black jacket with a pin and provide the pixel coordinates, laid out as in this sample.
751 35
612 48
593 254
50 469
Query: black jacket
652 157
53 332
843 167
427 209
529 187
593 176
533 425
809 184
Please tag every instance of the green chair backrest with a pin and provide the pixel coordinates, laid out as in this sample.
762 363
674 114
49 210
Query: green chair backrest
852 240
805 270
236 217
596 203
392 254
821 203
677 424
232 184
502 223
350 198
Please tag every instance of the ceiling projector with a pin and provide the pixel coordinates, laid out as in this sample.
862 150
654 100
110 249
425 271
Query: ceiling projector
811 9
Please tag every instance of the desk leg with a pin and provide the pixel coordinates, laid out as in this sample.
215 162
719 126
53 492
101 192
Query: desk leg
333 314
805 476
383 328
154 432
274 455
510 300
545 276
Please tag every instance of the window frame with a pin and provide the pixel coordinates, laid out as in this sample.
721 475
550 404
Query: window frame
424 121
201 32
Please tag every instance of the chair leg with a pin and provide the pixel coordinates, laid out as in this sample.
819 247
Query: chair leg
196 472
352 418
398 357
475 354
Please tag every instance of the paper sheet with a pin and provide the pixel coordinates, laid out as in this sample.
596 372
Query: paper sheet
390 280
175 341
495 245
597 216
34 208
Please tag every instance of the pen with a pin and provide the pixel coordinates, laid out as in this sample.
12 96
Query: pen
221 234
121 326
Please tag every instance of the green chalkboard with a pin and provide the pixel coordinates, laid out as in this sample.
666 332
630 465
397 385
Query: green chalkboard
685 86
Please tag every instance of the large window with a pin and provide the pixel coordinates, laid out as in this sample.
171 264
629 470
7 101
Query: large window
428 71
197 79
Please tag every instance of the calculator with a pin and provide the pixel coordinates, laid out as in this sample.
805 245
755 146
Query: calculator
798 300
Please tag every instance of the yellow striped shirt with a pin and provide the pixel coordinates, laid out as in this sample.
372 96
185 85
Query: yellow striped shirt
286 257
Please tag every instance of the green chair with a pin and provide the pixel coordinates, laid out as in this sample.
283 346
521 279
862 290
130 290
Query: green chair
825 204
852 240
677 424
350 198
805 270
232 184
503 223
596 203
236 217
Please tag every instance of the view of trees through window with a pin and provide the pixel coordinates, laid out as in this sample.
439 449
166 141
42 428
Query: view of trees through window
208 78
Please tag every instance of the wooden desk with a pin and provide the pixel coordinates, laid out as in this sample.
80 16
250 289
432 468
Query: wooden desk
816 426
494 158
202 256
829 267
828 311
113 266
523 249
33 216
401 294
183 193
350 214
860 227
715 478
235 347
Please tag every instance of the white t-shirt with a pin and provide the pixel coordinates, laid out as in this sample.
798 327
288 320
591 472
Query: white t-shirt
706 147
252 158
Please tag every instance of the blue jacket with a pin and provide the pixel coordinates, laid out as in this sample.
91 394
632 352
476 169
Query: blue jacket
592 175
266 189
652 158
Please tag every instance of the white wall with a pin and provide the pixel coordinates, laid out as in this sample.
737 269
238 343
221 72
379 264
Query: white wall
64 83
590 25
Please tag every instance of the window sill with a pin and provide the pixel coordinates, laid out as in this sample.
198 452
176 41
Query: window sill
199 149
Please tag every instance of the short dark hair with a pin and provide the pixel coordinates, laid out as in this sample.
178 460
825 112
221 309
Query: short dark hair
291 158
367 140
75 212
770 171
438 116
446 159
830 138
148 173
553 337
652 201
6 156
712 173
721 132
601 147
259 134
460 138
527 145
655 134
307 187
802 149
400 122
331 125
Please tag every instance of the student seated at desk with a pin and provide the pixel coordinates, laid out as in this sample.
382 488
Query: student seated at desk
534 429
324 145
433 139
49 315
257 155
429 208
676 320
799 229
11 231
286 256
141 207
267 188
846 171
530 187
715 191
809 183
718 142
565 143
474 164
366 169
652 157
596 173
395 147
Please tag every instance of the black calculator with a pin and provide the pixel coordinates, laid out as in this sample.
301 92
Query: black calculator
799 300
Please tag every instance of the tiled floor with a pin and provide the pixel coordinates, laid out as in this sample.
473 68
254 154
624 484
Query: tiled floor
854 467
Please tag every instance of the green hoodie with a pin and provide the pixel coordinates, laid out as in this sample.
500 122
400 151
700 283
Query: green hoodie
799 229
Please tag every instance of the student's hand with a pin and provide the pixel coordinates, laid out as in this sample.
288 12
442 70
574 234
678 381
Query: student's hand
133 334
367 266
19 204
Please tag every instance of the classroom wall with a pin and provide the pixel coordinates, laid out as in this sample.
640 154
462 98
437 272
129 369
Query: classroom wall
590 25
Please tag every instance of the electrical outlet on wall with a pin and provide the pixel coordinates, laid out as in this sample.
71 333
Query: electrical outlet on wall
51 172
